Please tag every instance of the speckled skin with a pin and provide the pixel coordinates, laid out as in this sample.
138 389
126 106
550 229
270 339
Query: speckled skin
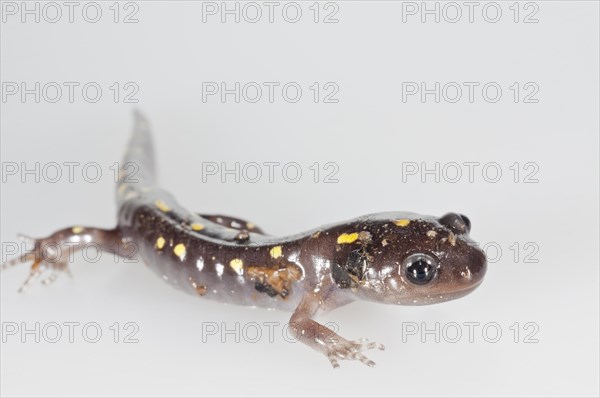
231 260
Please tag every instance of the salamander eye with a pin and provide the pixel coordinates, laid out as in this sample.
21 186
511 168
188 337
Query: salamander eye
466 221
420 268
458 223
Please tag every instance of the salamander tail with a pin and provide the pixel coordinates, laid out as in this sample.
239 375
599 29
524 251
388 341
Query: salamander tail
137 169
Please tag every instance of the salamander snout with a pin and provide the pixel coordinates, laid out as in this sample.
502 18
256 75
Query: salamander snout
476 267
458 223
462 270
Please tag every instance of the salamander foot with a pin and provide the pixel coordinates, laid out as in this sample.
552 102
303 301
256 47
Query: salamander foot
45 257
350 350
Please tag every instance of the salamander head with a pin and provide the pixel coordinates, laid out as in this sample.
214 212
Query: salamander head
410 259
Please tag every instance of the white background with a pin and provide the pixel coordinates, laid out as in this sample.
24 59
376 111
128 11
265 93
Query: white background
370 134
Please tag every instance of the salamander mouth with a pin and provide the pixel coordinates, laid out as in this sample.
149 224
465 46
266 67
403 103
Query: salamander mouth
431 297
466 290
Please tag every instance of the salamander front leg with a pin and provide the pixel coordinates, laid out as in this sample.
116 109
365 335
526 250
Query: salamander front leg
325 340
53 253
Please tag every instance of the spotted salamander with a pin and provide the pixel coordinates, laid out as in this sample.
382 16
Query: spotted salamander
396 258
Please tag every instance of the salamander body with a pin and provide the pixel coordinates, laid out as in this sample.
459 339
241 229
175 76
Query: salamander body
395 258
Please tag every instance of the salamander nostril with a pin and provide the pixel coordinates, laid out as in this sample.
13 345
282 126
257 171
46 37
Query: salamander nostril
466 221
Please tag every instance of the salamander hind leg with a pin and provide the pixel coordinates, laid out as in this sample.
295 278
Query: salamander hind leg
51 255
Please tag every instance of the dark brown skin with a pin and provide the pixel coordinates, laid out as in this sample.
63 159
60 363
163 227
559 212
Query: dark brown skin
394 258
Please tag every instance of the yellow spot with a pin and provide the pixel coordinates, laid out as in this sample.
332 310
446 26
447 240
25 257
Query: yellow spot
236 264
179 251
160 242
162 206
77 230
197 226
402 222
275 252
347 238
249 225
